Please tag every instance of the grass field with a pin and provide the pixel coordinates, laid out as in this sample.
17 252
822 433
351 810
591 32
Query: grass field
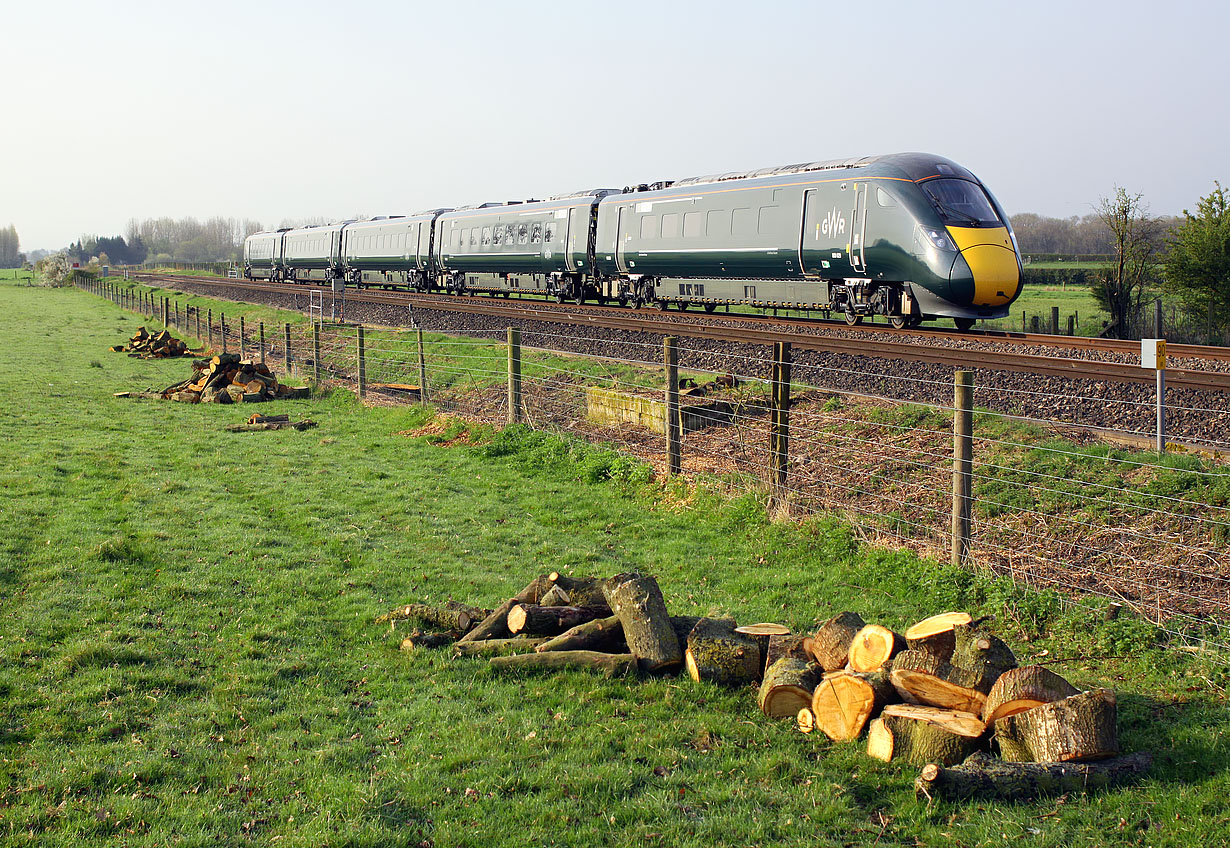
188 654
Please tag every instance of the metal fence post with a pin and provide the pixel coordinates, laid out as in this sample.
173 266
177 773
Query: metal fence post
287 357
362 363
316 351
514 375
1161 410
422 368
674 450
962 462
779 428
262 326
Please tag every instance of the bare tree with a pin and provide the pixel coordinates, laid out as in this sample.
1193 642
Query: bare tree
1120 290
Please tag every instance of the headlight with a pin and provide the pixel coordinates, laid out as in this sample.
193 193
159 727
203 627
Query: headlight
936 237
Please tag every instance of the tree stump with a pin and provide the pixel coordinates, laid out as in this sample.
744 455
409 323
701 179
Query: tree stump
1082 727
638 602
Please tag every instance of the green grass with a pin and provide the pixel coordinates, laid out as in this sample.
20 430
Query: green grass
188 654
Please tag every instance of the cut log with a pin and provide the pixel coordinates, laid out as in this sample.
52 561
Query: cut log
638 602
495 626
611 665
717 654
845 701
919 735
683 626
786 646
763 633
787 688
1082 727
805 721
537 620
978 650
1021 689
955 721
556 596
582 591
450 616
497 647
298 393
418 639
830 647
983 776
601 634
921 677
934 634
873 646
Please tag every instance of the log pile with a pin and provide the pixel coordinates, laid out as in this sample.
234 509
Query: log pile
147 345
947 691
228 379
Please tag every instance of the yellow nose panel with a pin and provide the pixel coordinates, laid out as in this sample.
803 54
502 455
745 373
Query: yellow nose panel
992 259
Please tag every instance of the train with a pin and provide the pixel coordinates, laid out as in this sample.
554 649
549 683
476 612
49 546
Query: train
909 236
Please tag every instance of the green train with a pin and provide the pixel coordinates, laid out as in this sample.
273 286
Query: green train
909 236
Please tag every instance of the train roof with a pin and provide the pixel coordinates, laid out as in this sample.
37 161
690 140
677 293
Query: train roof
913 166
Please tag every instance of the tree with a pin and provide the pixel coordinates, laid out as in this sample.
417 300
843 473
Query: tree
1198 259
1120 288
10 247
53 270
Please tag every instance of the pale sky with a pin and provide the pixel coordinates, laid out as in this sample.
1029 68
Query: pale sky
276 110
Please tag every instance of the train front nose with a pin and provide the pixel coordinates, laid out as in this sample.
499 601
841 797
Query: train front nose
987 267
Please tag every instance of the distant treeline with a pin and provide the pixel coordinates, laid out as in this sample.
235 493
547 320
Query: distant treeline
168 240
1042 237
10 248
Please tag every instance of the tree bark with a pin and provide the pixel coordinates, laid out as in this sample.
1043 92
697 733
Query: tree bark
1021 689
787 688
497 647
934 635
611 665
555 597
537 620
830 647
1082 727
983 776
582 591
601 634
428 640
977 650
495 626
719 655
845 701
916 741
794 646
924 678
873 646
648 630
450 616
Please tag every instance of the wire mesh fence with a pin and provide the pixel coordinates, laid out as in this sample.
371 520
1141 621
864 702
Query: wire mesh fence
1097 516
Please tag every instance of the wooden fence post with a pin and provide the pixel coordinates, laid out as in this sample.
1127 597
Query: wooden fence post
1054 320
316 352
165 309
1071 325
222 329
422 368
362 363
288 357
178 325
779 427
262 327
674 436
514 375
962 462
243 331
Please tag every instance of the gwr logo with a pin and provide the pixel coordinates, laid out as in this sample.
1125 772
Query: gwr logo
834 223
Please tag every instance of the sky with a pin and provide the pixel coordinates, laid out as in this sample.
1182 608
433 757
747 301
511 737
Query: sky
292 110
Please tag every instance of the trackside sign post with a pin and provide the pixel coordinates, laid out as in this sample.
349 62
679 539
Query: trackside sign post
1153 355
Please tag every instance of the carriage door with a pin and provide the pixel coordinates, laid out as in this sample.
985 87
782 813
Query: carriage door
621 262
578 218
858 229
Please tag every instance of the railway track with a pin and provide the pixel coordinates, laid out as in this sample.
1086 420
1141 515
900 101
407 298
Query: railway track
872 341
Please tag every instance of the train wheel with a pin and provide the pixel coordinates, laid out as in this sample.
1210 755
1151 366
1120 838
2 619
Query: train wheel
579 297
661 304
623 300
898 322
852 318
964 324
682 305
710 307
559 295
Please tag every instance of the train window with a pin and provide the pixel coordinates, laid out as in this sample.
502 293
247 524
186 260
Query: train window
523 234
649 226
536 233
717 222
497 235
749 292
474 237
486 235
884 198
510 234
670 225
741 222
691 224
961 202
767 222
548 233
